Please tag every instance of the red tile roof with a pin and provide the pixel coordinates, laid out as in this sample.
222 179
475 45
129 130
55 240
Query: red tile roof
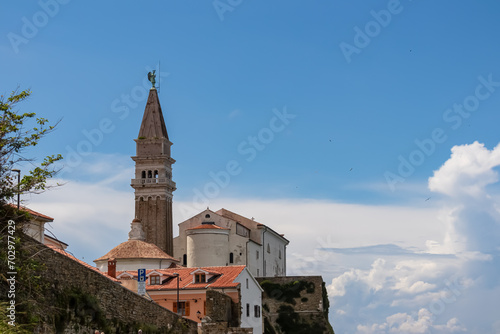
224 278
207 226
136 249
63 252
33 212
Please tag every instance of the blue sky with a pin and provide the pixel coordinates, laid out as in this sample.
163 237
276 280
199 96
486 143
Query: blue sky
226 73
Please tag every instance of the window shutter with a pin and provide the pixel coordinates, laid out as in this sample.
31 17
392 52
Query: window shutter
175 307
187 308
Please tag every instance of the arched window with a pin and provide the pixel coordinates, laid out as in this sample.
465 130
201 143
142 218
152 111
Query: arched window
156 174
231 258
150 174
143 174
184 259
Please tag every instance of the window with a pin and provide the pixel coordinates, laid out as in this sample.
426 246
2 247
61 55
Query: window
154 280
247 283
248 310
143 174
182 308
231 258
184 259
150 174
256 309
242 230
268 248
156 174
199 278
280 254
257 255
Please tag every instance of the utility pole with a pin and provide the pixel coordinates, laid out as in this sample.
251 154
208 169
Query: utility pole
18 186
178 308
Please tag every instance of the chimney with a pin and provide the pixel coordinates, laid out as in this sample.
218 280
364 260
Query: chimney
112 268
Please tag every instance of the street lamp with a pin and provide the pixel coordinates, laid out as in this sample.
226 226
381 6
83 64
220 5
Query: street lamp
177 276
18 185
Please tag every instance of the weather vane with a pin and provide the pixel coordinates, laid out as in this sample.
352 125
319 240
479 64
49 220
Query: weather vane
151 77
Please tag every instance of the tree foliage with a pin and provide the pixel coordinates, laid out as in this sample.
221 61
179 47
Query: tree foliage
16 135
20 131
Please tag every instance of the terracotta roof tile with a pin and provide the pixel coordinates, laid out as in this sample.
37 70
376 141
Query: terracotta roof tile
32 212
225 277
136 249
207 226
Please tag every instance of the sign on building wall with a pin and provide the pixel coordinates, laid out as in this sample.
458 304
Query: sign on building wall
141 275
141 279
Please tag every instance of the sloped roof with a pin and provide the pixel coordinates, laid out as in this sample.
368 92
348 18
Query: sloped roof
153 124
224 278
63 252
33 212
248 223
136 249
207 226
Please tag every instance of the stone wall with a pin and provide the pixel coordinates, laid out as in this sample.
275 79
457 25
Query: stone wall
222 328
295 304
85 300
222 313
218 306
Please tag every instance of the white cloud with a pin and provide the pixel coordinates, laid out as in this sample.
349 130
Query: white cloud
472 215
405 323
394 275
468 171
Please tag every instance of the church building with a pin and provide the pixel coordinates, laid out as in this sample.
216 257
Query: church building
153 183
224 238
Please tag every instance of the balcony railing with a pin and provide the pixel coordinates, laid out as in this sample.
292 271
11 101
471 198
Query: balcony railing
154 181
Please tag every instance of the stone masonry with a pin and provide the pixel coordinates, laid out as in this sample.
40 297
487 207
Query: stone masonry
121 307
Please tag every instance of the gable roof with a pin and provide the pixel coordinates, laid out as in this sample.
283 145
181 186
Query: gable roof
33 212
223 278
250 224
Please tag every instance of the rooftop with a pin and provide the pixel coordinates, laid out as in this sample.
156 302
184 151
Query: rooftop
136 249
33 212
223 277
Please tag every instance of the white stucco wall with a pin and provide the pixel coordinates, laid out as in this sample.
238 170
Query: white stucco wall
274 260
254 262
36 230
251 294
207 248
134 264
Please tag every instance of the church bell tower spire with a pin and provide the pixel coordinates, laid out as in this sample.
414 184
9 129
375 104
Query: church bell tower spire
153 183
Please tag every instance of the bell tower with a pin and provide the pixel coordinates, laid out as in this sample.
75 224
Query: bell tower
153 183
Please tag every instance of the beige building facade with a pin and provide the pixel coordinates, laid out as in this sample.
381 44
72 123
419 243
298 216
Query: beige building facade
225 238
